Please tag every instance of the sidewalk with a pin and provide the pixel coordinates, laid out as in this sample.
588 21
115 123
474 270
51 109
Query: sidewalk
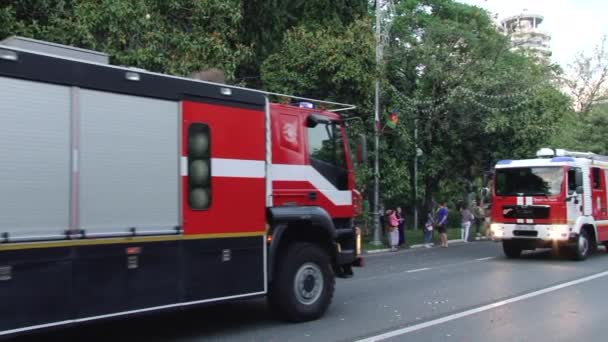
386 250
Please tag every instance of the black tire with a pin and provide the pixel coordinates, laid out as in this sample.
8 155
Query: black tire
309 266
582 248
511 249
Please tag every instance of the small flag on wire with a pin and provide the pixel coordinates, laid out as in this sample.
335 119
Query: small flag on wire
393 119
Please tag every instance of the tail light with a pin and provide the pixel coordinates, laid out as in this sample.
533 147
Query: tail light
357 202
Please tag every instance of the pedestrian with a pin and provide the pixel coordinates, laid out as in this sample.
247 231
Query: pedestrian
401 227
479 214
465 222
488 218
428 230
393 229
442 223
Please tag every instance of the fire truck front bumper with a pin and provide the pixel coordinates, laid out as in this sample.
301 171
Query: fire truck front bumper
542 233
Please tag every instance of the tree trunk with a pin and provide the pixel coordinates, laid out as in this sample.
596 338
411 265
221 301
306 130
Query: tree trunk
430 189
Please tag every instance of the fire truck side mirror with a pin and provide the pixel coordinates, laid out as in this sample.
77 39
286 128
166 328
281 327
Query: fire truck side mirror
362 149
314 119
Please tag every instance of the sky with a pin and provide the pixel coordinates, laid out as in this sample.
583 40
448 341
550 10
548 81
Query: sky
575 25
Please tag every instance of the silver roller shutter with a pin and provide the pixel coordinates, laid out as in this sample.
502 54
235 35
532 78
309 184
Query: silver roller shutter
34 159
129 174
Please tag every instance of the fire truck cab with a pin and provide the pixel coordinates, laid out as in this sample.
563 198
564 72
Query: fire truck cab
126 191
558 201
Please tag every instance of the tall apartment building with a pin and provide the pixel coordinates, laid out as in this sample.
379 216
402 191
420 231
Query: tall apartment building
525 34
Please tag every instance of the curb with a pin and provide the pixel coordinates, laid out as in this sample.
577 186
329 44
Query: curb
385 250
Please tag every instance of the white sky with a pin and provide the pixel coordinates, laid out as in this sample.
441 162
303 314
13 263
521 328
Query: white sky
574 25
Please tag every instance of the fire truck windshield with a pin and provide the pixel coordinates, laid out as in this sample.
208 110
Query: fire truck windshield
529 181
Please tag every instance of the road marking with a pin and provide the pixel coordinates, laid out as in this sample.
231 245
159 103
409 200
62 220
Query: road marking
491 306
418 270
486 258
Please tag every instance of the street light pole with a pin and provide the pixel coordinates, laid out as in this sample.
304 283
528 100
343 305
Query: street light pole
377 213
416 174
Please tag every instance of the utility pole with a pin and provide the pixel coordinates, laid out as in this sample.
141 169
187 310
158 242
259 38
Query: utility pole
416 173
377 213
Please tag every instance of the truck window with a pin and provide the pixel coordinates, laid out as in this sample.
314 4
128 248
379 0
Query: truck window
199 166
326 152
529 181
574 179
596 178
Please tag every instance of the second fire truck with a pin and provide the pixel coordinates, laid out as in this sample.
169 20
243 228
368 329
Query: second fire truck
558 200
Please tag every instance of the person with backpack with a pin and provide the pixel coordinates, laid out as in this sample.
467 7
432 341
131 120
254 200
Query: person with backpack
442 224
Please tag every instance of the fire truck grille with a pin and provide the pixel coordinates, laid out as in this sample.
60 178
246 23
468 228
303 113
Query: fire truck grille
526 211
529 233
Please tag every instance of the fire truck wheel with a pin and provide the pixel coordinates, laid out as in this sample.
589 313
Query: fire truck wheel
304 283
511 249
581 250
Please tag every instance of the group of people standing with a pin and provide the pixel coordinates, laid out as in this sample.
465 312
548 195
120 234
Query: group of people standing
477 216
436 220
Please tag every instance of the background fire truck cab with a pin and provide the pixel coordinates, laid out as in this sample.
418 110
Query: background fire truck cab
558 200
126 191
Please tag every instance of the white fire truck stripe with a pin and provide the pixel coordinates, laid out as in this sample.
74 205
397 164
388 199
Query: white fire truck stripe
183 166
528 201
284 172
240 168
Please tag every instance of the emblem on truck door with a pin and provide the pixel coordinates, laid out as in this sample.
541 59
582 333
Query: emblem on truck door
290 133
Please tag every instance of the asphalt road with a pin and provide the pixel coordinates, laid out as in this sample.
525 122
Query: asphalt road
468 292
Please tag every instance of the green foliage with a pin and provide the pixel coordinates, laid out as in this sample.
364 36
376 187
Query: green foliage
585 133
265 23
327 63
455 75
171 36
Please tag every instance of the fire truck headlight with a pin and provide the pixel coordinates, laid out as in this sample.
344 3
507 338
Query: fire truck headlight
559 231
497 230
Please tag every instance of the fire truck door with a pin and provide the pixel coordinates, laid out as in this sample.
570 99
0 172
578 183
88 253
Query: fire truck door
598 194
575 201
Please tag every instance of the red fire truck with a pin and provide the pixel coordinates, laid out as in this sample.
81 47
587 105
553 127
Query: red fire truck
558 200
126 191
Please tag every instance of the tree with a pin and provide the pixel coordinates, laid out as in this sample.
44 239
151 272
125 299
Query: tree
266 22
587 77
172 36
474 101
326 63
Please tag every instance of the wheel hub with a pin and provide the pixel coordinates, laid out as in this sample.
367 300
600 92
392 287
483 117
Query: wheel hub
308 283
583 244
